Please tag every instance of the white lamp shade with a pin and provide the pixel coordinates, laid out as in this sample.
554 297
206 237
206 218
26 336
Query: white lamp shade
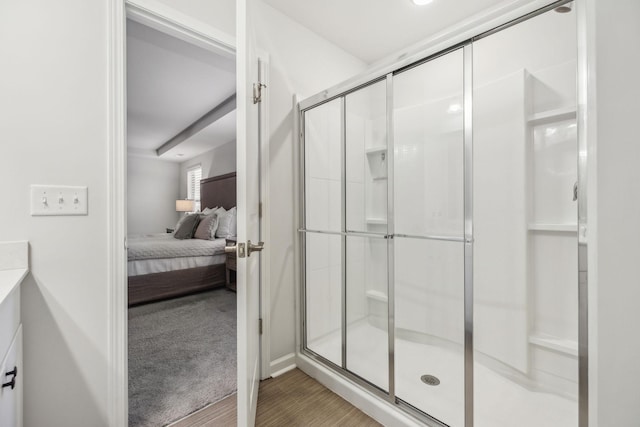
185 205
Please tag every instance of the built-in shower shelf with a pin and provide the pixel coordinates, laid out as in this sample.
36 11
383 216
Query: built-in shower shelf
377 159
376 221
562 228
551 116
377 295
562 346
374 150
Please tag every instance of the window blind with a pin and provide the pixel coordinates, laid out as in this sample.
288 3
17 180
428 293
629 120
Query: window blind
194 175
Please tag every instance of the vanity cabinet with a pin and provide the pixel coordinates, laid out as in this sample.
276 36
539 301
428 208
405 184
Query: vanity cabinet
11 371
11 392
13 269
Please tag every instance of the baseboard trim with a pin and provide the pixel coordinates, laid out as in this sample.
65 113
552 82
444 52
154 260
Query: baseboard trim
283 364
378 409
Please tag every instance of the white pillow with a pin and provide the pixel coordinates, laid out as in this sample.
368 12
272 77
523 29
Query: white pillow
234 222
227 223
207 211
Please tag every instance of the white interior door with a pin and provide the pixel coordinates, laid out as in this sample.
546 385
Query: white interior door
248 181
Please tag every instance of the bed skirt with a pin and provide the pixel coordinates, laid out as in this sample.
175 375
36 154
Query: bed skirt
159 286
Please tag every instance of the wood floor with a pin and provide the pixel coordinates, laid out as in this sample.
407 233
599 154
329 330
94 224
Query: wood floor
292 399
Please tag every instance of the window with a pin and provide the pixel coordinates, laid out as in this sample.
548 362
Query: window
194 175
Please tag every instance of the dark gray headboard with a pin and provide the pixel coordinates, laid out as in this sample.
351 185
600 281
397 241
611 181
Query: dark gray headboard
218 191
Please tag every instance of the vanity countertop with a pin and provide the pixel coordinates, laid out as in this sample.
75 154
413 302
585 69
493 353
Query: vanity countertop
9 279
14 266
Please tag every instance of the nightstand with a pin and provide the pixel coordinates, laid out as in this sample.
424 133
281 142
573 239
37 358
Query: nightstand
231 267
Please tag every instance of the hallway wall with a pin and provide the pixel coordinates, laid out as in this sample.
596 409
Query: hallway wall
54 128
613 215
152 190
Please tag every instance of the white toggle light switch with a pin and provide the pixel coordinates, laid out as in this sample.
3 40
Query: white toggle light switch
58 200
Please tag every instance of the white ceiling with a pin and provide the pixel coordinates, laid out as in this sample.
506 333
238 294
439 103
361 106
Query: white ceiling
170 84
374 29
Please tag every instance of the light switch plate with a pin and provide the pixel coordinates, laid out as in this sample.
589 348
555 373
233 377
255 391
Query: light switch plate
58 200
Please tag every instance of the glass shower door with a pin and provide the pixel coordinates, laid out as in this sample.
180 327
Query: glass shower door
367 307
525 163
323 241
428 193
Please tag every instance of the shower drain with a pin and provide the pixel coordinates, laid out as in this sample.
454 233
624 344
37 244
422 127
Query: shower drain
430 380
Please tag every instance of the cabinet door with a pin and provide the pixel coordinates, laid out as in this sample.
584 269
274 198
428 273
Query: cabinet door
11 399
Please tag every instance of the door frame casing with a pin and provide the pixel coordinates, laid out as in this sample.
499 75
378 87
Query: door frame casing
172 22
265 218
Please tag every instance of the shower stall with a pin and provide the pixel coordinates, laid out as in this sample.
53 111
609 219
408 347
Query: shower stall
440 235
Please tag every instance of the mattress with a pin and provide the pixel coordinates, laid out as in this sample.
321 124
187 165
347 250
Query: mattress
164 245
158 253
161 265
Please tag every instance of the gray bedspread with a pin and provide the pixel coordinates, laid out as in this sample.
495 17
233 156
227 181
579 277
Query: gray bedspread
153 246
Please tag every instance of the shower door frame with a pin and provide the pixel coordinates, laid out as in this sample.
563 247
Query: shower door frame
386 73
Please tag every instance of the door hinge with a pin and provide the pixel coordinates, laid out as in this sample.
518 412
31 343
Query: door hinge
260 326
257 92
260 210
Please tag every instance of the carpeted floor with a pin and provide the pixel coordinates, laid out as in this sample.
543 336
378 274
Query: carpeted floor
182 356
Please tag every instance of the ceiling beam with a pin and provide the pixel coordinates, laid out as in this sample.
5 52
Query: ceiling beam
218 112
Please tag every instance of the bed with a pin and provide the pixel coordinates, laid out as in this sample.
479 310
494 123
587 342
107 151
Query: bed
161 267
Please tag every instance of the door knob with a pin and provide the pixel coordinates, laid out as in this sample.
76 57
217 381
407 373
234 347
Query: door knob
254 247
237 249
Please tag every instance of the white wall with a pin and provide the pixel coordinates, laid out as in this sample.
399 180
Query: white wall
617 67
300 63
55 84
214 162
152 190
54 131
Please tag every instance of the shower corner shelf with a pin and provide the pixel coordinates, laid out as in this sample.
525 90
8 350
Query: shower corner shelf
375 150
377 295
563 228
377 159
376 221
557 344
550 116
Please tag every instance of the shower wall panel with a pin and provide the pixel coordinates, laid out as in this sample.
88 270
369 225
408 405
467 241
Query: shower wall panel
499 220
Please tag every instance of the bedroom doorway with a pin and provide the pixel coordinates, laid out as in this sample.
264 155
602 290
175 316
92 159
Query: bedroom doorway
181 122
